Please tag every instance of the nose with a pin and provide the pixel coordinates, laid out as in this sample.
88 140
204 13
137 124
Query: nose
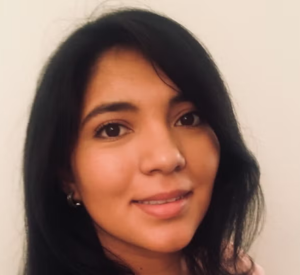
161 154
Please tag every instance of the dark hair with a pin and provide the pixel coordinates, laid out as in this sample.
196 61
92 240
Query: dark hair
63 241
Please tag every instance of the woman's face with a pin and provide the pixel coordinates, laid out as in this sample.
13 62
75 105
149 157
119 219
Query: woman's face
144 165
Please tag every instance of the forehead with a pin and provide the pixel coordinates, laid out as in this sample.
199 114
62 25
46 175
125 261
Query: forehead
125 74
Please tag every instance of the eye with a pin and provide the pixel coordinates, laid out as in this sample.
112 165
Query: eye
189 119
111 130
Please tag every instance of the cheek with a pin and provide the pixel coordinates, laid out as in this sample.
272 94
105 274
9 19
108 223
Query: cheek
203 156
102 174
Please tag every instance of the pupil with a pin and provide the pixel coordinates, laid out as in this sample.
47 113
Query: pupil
113 130
187 119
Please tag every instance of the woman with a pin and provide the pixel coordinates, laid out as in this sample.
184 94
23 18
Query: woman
133 162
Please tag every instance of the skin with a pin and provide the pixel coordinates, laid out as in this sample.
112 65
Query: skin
153 153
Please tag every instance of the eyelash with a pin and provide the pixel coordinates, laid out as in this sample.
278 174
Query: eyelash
102 127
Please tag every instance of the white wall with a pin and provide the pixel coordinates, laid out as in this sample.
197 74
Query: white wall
257 47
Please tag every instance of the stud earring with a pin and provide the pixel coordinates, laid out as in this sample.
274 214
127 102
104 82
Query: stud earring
71 201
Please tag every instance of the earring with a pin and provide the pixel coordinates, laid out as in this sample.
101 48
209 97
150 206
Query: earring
71 201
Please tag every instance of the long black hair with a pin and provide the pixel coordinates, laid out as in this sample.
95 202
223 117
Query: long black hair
62 240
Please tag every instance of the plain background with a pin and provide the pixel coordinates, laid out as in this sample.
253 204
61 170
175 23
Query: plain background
256 45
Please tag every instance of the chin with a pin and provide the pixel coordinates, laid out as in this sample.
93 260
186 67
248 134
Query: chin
169 246
169 242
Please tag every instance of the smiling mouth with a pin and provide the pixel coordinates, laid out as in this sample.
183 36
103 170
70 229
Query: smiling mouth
165 208
155 202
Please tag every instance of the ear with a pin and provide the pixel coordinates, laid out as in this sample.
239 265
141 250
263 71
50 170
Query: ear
69 185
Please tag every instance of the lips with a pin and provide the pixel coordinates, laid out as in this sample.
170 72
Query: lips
153 202
165 205
172 195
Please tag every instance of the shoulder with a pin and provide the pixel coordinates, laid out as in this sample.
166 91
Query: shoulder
243 264
258 270
246 262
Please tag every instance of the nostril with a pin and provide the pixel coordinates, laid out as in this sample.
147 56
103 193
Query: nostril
178 168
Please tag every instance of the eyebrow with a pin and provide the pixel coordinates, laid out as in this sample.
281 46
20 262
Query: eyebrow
123 106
